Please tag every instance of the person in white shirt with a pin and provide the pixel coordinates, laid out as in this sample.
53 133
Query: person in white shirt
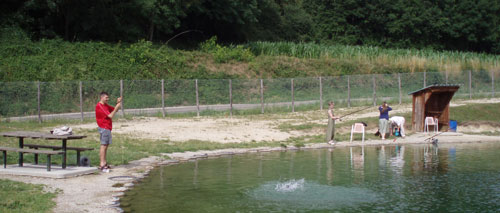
399 123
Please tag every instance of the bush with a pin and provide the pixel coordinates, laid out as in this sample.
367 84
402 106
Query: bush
224 54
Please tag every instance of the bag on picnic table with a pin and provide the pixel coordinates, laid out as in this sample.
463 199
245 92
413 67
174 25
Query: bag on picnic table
62 131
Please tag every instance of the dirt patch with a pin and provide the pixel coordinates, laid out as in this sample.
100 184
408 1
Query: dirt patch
475 101
235 68
256 128
479 126
221 130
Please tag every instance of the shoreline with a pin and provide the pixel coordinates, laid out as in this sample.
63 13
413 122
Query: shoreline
96 193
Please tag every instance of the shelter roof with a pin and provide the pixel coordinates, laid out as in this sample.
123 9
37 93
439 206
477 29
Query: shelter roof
435 86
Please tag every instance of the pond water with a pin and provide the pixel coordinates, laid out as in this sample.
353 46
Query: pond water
402 178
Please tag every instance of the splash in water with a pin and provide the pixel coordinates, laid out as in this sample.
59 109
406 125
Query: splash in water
309 195
290 186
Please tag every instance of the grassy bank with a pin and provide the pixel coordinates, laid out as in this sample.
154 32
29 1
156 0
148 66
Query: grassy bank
56 60
476 113
22 197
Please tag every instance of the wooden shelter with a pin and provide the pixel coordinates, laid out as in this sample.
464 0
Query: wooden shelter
432 101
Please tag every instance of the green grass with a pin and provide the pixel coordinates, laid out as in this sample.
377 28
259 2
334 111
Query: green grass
58 60
306 126
370 54
23 197
320 138
312 50
476 113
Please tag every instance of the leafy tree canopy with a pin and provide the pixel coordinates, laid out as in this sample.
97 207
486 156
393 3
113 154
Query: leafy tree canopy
466 25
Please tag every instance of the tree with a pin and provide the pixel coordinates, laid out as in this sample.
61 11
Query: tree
163 14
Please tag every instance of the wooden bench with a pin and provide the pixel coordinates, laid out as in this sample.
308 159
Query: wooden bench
21 135
11 149
77 149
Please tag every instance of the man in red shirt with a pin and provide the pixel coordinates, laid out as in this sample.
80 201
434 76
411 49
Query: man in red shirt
103 115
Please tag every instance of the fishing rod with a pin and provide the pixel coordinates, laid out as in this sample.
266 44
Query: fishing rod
187 31
354 112
432 137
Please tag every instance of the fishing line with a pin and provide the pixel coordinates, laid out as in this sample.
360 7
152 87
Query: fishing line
354 112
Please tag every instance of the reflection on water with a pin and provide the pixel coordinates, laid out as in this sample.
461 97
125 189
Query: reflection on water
461 177
357 155
397 162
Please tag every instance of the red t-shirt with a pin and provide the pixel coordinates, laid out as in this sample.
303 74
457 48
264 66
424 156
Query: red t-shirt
101 115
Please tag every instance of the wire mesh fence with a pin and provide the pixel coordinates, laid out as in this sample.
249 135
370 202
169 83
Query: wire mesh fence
18 98
77 99
335 88
495 83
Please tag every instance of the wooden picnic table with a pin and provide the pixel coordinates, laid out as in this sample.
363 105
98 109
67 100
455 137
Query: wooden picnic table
40 135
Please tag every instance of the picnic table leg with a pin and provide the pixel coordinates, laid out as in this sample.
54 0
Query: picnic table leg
21 145
64 154
78 157
36 157
48 163
4 159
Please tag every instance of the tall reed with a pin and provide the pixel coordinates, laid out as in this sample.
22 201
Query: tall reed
412 59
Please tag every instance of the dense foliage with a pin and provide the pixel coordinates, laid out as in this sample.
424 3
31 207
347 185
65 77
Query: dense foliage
466 25
22 59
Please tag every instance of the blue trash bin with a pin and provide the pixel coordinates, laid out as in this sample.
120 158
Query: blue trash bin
453 126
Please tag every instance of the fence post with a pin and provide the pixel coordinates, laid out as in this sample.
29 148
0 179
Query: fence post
197 99
81 101
230 97
425 75
349 91
293 97
399 86
374 92
121 95
163 97
320 94
38 104
261 96
492 84
470 84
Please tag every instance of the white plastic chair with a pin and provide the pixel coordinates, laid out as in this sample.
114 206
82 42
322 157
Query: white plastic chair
430 121
358 128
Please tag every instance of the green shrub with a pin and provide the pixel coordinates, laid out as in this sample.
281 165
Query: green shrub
223 54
